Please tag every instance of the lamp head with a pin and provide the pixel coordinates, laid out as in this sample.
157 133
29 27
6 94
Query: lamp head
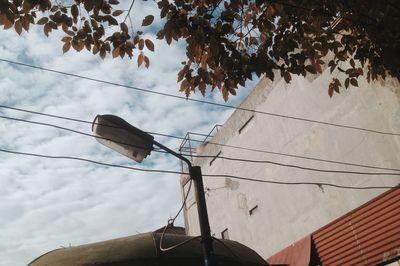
117 134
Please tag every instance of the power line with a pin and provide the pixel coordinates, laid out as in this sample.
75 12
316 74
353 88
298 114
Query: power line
129 10
205 156
296 183
171 222
90 161
304 168
82 121
212 143
202 101
177 245
183 173
45 114
75 131
300 157
184 201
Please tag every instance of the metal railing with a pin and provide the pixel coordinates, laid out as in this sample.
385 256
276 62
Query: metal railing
191 141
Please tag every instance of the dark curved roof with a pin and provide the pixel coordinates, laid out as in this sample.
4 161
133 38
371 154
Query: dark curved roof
178 230
143 250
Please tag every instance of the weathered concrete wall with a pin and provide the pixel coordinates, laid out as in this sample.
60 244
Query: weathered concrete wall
287 213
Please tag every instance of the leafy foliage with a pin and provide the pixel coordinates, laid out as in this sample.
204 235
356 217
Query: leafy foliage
228 41
84 23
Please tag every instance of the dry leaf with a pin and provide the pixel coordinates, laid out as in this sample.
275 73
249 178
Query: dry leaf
140 59
149 45
148 20
66 47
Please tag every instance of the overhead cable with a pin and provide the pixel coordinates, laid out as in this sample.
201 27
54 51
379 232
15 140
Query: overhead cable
77 120
172 221
211 143
304 168
129 10
90 161
295 183
76 131
216 157
183 173
201 101
300 157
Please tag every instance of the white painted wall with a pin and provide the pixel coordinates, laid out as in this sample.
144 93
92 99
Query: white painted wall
287 213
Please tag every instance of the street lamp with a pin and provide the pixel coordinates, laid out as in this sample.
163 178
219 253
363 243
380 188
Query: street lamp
117 134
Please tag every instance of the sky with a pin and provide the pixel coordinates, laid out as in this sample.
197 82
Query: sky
51 203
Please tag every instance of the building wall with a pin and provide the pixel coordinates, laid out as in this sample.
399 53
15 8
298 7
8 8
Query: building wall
288 213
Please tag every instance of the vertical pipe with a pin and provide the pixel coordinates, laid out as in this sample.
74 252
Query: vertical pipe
195 174
208 252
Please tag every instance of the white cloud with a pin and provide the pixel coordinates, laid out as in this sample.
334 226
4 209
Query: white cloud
48 203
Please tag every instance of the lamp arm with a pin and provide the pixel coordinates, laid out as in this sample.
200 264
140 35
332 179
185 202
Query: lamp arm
174 153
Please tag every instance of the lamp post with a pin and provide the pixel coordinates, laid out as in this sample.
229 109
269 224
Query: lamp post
117 134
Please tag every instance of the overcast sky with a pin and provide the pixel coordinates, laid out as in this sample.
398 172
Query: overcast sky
50 203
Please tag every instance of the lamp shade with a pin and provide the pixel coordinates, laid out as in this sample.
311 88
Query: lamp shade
143 250
117 134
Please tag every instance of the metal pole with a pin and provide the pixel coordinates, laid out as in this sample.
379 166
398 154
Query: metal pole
208 252
205 232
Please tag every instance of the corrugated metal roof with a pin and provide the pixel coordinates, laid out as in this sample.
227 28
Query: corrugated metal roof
297 254
368 235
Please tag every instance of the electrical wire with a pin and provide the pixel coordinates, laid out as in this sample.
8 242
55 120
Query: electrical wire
305 168
179 244
91 161
45 114
296 183
184 201
201 101
204 156
83 121
214 143
129 11
184 173
171 223
77 132
300 157
200 237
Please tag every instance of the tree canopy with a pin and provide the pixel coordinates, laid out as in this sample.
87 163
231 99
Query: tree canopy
229 41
